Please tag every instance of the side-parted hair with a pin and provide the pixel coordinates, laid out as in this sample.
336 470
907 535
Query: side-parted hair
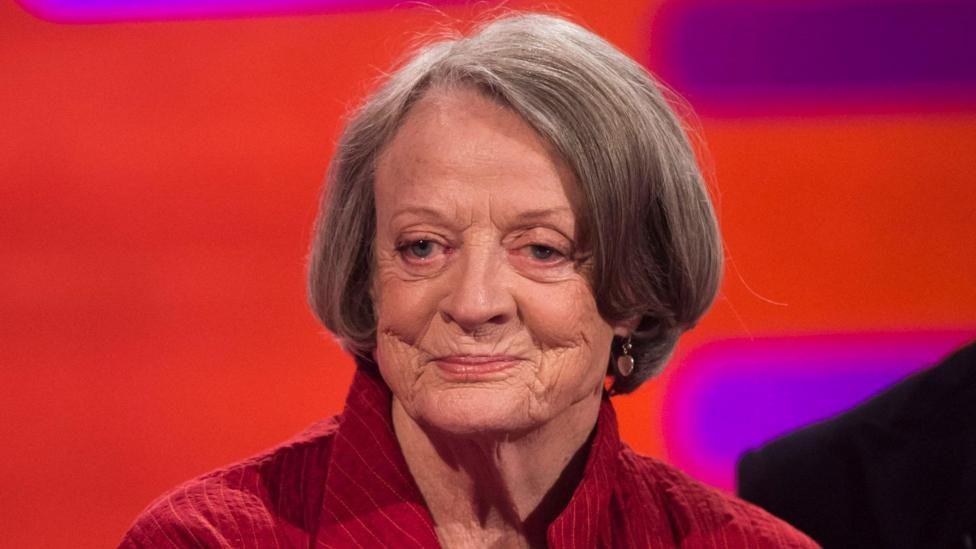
646 218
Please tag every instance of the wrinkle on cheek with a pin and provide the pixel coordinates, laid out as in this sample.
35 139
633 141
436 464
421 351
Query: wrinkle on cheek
403 320
564 371
401 360
563 315
386 269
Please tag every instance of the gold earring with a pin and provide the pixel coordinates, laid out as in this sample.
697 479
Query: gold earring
625 362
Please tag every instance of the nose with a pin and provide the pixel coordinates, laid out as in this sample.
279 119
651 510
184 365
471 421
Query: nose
478 298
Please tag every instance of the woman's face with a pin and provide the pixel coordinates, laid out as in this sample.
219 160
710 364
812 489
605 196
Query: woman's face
486 322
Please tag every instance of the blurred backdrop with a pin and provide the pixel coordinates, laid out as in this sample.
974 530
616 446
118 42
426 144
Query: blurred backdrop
160 163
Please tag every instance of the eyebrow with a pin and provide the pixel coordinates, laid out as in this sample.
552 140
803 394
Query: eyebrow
422 211
543 214
523 218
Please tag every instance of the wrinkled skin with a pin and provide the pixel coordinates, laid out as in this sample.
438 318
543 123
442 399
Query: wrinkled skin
488 332
475 254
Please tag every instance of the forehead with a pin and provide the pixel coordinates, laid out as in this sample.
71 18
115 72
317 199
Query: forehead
457 145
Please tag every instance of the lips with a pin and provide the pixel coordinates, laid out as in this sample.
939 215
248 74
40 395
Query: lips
473 366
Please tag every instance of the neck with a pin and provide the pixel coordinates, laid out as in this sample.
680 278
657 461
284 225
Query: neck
496 489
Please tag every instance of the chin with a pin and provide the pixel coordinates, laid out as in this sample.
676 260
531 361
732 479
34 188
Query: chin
474 410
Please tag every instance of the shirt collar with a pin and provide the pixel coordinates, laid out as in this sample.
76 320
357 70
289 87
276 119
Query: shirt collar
586 519
370 498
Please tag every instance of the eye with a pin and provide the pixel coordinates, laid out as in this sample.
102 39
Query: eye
540 253
420 251
421 248
543 253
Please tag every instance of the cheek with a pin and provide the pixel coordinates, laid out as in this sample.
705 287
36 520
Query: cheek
401 306
574 341
404 310
565 316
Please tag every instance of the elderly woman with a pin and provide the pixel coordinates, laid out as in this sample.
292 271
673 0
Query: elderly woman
514 229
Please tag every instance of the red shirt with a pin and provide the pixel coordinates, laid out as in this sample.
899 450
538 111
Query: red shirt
344 483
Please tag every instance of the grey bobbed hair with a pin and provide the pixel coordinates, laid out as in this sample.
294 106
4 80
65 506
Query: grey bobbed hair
646 217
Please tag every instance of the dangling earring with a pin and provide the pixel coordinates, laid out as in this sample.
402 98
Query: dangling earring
625 362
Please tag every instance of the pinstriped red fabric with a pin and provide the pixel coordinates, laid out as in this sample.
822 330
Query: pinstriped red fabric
345 483
371 499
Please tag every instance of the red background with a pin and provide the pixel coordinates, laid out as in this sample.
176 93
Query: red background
158 182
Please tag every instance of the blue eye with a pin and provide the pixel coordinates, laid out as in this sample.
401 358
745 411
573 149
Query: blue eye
542 253
421 248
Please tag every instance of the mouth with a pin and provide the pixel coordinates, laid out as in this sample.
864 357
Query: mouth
473 367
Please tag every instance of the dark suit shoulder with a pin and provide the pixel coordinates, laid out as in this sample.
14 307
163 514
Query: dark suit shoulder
936 402
850 480
941 401
268 500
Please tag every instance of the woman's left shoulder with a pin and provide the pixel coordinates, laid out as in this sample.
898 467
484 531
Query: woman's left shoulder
701 515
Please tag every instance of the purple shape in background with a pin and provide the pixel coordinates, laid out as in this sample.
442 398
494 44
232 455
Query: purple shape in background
734 395
756 57
110 11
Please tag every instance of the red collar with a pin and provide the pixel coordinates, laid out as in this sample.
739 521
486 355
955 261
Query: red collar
371 499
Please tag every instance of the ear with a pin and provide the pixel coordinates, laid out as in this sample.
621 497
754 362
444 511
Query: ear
624 327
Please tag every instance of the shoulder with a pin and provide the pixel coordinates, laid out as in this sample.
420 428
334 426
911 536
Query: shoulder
823 459
818 461
700 515
267 500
